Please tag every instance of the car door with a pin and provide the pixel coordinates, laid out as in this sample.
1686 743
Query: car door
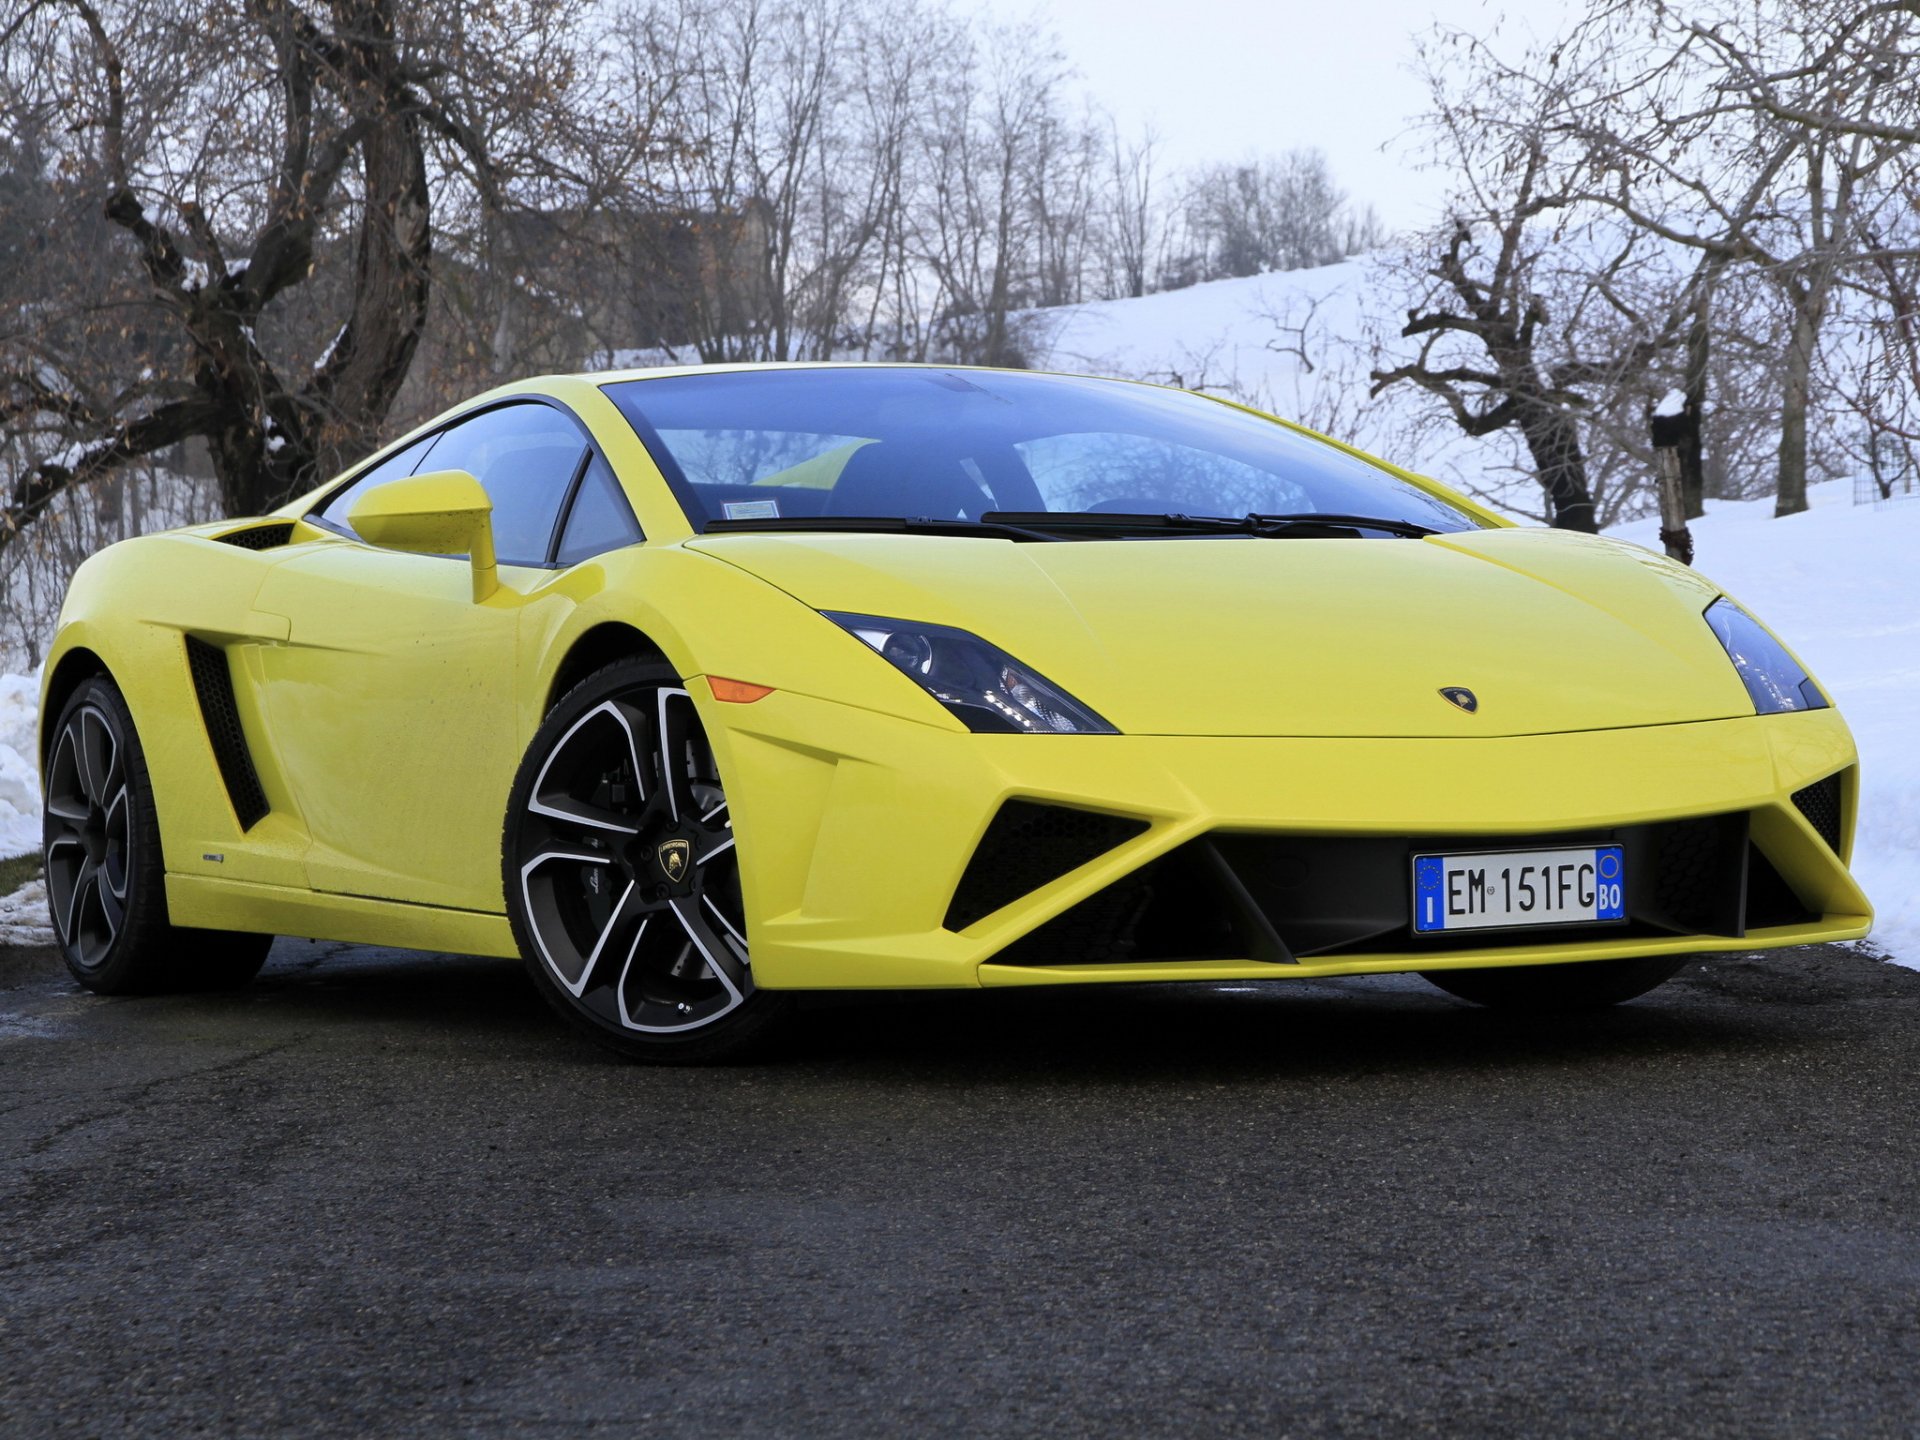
393 704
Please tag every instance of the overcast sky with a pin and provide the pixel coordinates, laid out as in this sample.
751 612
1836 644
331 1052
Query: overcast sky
1223 78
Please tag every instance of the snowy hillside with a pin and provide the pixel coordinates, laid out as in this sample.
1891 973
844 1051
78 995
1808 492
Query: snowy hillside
1294 343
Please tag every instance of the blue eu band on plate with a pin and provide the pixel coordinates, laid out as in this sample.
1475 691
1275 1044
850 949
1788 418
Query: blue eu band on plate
1507 888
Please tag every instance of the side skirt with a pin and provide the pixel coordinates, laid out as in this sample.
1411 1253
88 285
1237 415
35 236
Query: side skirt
210 903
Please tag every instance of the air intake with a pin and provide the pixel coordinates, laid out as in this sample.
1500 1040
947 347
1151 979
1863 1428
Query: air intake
213 683
1028 845
1820 803
259 537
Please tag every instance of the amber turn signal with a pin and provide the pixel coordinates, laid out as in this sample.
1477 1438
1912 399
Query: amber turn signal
737 692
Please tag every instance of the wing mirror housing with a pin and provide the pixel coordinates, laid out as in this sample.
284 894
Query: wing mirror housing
443 512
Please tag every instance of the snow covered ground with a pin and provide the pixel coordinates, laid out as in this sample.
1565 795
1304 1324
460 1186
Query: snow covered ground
23 914
1841 585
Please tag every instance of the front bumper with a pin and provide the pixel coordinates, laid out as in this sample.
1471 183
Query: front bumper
856 830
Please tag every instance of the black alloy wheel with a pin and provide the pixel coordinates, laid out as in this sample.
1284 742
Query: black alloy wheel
622 877
88 833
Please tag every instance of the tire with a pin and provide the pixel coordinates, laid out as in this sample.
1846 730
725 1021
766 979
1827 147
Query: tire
1576 985
621 877
106 877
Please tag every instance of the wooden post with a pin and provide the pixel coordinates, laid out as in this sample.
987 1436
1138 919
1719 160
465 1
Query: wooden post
1672 427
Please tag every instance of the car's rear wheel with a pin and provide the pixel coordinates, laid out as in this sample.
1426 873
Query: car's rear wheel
106 880
622 880
1577 985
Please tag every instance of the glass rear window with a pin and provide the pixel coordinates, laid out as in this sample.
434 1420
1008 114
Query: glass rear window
953 445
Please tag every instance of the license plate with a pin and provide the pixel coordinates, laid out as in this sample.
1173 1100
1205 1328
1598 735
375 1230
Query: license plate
1501 889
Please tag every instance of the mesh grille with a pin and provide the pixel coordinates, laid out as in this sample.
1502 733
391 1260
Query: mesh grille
1688 874
259 537
1028 845
213 683
1820 803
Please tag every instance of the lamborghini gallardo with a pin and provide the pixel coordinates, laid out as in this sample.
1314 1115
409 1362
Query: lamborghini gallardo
698 688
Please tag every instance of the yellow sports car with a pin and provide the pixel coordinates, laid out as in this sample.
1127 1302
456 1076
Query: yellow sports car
696 688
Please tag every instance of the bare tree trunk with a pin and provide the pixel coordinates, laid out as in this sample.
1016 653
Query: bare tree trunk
1791 490
1693 451
1554 442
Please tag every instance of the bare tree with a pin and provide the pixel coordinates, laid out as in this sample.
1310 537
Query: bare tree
1757 137
249 156
987 141
1276 212
1131 224
1483 289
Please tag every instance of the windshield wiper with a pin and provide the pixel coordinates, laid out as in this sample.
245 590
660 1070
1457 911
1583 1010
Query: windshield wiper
1262 523
1255 525
990 528
1114 520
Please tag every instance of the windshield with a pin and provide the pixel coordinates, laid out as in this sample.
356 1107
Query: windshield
776 447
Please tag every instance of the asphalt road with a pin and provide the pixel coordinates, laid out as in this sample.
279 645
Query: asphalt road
388 1195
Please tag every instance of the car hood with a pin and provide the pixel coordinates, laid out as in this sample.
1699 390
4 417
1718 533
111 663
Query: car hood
1551 631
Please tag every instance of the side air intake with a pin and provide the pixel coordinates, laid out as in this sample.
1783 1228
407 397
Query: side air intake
1028 845
259 537
213 683
1820 803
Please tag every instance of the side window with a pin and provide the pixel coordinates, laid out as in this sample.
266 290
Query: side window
600 519
524 457
396 466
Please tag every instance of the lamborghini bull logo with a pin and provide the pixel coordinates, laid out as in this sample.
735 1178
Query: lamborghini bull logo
674 857
1461 696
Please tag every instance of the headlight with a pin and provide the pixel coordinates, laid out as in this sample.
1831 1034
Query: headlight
1773 677
985 687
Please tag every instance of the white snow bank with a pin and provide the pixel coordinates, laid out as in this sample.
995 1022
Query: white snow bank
1841 585
23 916
19 776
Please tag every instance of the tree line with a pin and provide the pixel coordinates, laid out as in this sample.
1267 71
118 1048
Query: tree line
254 238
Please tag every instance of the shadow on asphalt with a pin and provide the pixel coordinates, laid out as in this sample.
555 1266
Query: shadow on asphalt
1284 1028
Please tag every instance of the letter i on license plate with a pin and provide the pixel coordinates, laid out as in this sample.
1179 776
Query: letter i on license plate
1507 888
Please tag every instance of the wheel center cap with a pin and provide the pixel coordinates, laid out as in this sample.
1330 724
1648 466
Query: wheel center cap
662 862
674 859
93 834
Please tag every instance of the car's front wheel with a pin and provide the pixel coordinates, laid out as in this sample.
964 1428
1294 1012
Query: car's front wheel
1576 985
621 875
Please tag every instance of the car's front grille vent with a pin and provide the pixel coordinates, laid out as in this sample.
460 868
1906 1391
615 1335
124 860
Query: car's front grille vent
1234 894
1771 900
1026 846
259 537
1820 803
213 683
1687 873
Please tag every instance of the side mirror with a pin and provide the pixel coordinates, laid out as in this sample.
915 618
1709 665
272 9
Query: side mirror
443 512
